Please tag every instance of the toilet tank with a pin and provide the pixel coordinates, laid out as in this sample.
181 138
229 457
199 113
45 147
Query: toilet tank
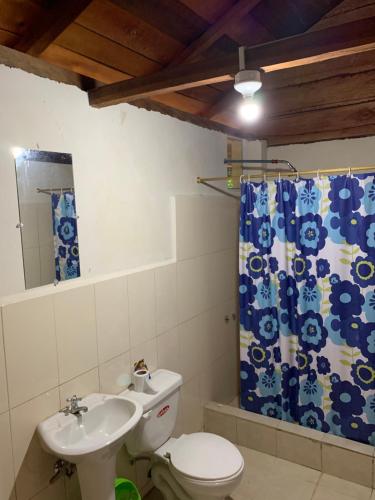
160 406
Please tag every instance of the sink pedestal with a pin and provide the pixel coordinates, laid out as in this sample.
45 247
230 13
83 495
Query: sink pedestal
97 479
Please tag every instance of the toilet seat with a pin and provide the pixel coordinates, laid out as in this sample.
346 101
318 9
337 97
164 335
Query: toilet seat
205 457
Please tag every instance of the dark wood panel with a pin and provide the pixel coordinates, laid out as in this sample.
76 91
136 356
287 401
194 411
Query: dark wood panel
227 102
169 16
337 91
248 31
17 15
206 94
350 116
8 39
109 20
293 16
210 10
98 48
54 20
217 30
347 6
180 102
79 64
342 133
347 65
219 48
345 16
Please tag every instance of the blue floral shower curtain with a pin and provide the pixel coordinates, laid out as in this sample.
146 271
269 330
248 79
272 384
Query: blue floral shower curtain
307 302
64 222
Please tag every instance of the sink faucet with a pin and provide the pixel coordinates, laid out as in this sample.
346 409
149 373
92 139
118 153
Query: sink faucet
74 408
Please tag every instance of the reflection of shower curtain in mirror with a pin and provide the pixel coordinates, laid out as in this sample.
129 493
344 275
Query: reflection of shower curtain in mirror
64 222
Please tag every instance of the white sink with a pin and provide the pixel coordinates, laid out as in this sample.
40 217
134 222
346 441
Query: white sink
92 440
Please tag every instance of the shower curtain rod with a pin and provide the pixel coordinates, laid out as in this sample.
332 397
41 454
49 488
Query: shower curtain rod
275 173
54 190
284 162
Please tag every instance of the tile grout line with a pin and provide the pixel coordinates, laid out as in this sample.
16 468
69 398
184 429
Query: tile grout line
56 345
96 333
9 409
5 356
317 485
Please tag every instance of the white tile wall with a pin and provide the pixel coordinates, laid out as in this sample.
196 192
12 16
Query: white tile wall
192 294
87 338
166 298
24 420
112 318
76 332
3 378
142 307
168 350
115 375
83 384
191 333
6 458
29 335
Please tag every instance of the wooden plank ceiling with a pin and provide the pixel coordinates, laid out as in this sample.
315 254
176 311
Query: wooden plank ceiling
109 41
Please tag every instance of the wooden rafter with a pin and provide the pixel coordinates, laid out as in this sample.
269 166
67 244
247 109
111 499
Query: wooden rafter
49 26
15 59
240 9
298 50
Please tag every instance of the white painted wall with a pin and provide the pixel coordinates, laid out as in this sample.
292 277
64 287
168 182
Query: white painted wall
328 154
127 164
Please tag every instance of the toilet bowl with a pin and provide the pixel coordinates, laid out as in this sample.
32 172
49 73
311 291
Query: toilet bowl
204 465
197 466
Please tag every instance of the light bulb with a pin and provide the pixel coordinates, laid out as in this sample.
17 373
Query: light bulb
16 152
250 110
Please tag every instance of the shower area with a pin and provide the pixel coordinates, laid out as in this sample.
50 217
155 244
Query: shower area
307 302
307 298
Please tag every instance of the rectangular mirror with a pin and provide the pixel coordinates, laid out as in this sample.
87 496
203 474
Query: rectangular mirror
48 220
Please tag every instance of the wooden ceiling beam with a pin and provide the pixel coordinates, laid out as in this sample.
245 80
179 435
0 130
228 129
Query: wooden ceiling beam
297 50
15 59
50 25
240 9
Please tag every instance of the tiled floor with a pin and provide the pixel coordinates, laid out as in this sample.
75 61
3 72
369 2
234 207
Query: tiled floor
271 478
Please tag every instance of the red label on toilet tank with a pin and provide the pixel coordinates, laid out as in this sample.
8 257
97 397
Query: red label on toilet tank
163 411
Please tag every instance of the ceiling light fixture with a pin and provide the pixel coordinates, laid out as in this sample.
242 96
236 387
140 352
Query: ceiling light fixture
247 82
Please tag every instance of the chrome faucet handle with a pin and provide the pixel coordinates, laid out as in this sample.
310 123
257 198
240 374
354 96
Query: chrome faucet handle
73 400
65 411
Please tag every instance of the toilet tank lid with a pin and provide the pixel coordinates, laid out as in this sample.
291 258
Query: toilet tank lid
160 385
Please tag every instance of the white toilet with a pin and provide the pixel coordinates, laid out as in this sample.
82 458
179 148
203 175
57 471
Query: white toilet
196 466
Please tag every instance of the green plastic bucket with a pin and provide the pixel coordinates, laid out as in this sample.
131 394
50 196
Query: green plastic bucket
126 490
